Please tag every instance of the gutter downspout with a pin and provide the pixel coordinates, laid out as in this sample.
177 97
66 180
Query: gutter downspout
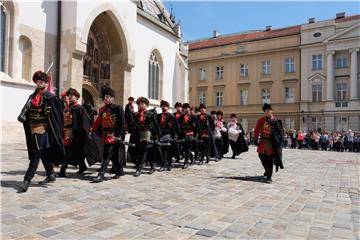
58 42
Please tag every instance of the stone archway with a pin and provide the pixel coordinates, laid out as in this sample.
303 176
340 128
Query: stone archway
106 59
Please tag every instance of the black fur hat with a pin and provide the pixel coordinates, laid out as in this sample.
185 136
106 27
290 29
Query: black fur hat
186 105
163 102
220 113
233 115
177 104
40 75
142 99
202 106
266 107
73 91
105 90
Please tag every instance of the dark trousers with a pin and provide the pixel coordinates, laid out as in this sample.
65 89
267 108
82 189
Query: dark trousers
142 153
80 161
111 152
167 158
267 161
34 163
187 149
219 143
205 149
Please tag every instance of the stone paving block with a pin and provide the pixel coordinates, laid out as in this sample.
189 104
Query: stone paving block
48 233
311 198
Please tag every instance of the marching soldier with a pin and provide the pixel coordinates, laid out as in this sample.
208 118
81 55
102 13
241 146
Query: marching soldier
169 133
42 118
189 130
110 123
270 132
76 126
146 133
206 124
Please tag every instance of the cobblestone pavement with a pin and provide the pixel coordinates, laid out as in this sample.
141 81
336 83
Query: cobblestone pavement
315 197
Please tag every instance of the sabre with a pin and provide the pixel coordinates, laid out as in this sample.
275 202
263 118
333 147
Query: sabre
49 68
125 143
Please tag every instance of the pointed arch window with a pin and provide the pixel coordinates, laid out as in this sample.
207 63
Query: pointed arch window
154 77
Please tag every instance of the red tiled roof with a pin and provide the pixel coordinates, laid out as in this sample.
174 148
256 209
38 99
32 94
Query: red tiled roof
350 18
221 41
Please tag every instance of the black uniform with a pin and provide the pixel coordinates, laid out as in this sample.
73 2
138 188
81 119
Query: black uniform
76 127
207 128
110 124
145 134
169 131
189 130
43 120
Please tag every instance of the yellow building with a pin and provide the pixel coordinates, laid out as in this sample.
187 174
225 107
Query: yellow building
238 73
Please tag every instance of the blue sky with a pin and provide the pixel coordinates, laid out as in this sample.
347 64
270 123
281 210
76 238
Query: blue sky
200 18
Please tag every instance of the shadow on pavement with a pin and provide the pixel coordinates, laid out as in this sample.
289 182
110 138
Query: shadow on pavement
16 184
260 179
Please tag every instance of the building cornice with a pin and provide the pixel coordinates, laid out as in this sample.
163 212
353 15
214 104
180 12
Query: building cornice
235 55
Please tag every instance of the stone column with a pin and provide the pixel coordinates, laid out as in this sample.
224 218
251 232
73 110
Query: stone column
353 74
330 76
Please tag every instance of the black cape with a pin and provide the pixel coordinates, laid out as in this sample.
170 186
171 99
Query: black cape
81 126
278 140
55 128
211 129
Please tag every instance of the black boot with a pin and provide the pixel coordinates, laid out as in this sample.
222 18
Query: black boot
50 178
137 173
152 170
24 186
62 172
118 175
81 170
99 178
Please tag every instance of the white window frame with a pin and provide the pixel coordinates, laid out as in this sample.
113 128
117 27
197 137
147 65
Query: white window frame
342 91
341 61
202 97
317 62
289 65
244 97
219 98
289 123
202 74
266 67
289 95
265 95
317 90
219 72
315 123
244 70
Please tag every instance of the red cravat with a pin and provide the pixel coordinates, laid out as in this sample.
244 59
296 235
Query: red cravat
35 102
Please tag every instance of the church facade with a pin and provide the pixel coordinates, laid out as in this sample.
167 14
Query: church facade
134 47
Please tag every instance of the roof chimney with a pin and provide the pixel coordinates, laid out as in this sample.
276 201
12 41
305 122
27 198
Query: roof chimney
268 28
215 34
311 20
340 15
